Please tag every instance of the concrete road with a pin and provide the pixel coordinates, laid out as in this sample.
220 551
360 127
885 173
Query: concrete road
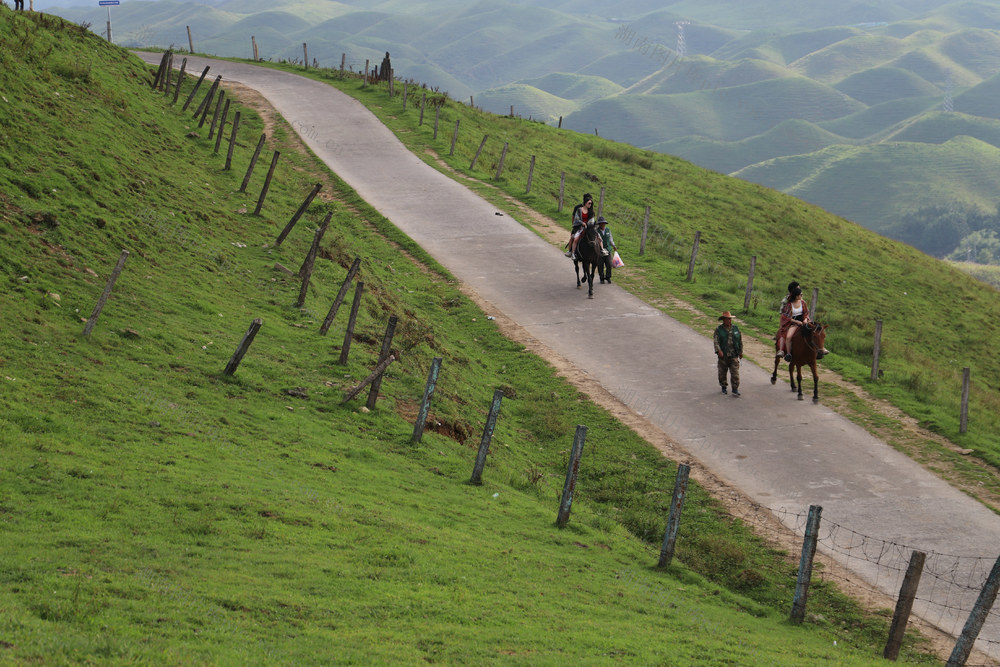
877 504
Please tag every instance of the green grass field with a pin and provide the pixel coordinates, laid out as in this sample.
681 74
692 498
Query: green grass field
154 510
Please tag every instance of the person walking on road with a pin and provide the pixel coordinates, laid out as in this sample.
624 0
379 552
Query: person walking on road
729 349
608 241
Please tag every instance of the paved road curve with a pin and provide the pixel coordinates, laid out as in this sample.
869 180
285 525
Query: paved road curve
780 452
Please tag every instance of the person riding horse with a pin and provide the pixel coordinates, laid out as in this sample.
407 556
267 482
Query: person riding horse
794 313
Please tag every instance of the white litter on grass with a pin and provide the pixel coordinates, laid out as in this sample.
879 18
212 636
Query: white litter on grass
496 495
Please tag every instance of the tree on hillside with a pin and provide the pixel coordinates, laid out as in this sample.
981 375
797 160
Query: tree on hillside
938 230
980 247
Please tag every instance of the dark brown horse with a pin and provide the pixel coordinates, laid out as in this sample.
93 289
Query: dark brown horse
807 347
588 253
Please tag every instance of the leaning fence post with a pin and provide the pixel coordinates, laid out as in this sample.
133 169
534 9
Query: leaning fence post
805 564
180 79
340 296
232 140
472 165
376 372
694 255
976 618
876 349
390 330
566 504
454 138
963 420
500 166
190 41
244 345
484 444
345 349
531 174
202 109
298 214
645 230
253 163
674 521
165 81
222 126
105 294
746 297
600 203
305 271
215 116
194 91
159 70
907 592
425 402
267 182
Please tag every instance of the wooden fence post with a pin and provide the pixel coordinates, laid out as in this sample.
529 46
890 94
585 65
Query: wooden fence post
904 604
472 165
425 402
963 647
253 48
267 182
340 296
405 94
345 349
390 330
194 91
566 504
805 564
674 521
190 41
253 163
180 78
814 304
364 79
600 203
232 141
215 115
531 174
343 61
92 320
877 349
376 372
205 101
645 230
298 214
559 126
305 271
305 56
963 420
746 297
484 443
160 70
423 102
242 348
437 117
222 126
503 155
694 256
562 191
454 138
165 81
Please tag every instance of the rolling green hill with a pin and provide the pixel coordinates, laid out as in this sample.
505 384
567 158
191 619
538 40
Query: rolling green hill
937 127
527 101
791 137
884 84
868 181
155 509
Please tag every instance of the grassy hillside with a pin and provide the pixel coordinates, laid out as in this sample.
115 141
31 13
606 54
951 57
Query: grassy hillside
884 84
937 127
527 101
153 509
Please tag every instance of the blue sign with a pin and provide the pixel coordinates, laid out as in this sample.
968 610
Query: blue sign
102 3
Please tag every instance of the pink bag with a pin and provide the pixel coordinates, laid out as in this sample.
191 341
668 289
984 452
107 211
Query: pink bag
616 261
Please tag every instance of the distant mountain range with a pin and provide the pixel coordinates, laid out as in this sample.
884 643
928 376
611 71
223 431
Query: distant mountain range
873 110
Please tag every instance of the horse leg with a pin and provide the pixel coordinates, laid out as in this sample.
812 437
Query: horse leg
590 281
774 375
815 383
791 375
576 267
799 374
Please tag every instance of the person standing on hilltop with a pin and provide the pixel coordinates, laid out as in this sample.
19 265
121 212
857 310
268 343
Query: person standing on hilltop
729 349
18 5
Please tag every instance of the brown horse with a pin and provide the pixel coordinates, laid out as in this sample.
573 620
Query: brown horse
588 253
807 347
